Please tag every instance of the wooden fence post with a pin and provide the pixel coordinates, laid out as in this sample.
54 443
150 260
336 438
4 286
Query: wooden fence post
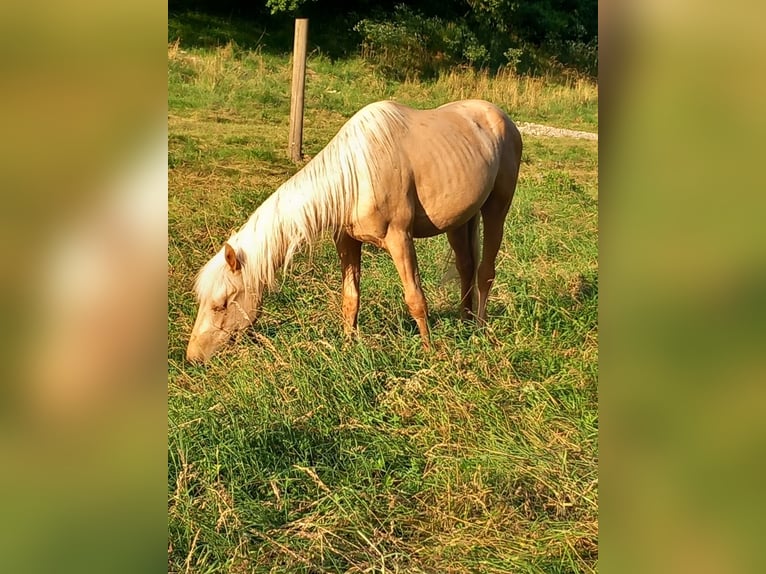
299 82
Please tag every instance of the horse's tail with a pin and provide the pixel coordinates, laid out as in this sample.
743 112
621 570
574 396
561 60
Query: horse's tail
474 246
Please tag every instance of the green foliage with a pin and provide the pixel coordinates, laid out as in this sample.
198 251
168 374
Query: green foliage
407 43
277 6
563 32
410 44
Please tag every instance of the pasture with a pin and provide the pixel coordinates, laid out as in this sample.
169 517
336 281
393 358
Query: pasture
297 450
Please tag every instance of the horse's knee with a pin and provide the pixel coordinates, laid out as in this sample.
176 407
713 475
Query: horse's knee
417 305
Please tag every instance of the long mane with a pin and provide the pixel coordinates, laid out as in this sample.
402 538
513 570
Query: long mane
320 197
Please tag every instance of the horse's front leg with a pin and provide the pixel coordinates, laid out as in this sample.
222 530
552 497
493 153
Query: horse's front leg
399 244
350 253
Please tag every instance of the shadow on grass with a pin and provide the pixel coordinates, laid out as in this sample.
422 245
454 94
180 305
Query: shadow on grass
305 460
256 29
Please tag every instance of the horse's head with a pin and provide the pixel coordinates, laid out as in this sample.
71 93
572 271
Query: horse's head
225 306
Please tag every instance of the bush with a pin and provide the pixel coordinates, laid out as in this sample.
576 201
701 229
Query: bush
413 45
408 44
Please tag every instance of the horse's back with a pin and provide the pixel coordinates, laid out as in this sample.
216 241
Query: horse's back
475 121
490 117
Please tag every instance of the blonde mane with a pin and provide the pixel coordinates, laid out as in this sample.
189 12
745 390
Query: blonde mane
318 198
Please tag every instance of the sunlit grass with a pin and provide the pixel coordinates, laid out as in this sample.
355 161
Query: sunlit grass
297 450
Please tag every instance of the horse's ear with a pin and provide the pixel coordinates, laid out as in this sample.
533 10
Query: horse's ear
231 257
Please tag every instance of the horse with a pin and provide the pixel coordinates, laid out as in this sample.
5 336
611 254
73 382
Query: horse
391 174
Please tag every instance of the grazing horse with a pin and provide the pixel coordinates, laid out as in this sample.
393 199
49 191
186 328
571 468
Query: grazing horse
391 174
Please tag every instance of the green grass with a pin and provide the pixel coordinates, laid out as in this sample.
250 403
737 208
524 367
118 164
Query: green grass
297 450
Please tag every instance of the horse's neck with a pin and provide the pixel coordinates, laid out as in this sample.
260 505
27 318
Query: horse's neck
287 220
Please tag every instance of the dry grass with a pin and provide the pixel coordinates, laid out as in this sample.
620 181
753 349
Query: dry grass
519 92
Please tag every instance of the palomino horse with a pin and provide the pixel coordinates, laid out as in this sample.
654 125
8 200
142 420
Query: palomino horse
391 174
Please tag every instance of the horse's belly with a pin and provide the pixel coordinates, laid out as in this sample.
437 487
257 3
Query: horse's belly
451 189
441 202
437 213
428 226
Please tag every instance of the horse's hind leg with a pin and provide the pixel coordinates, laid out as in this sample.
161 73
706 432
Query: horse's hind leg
350 253
399 245
493 214
464 243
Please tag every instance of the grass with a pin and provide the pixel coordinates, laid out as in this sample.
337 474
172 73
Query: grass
296 450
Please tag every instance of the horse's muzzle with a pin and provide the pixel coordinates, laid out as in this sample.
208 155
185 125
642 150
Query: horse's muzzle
195 353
